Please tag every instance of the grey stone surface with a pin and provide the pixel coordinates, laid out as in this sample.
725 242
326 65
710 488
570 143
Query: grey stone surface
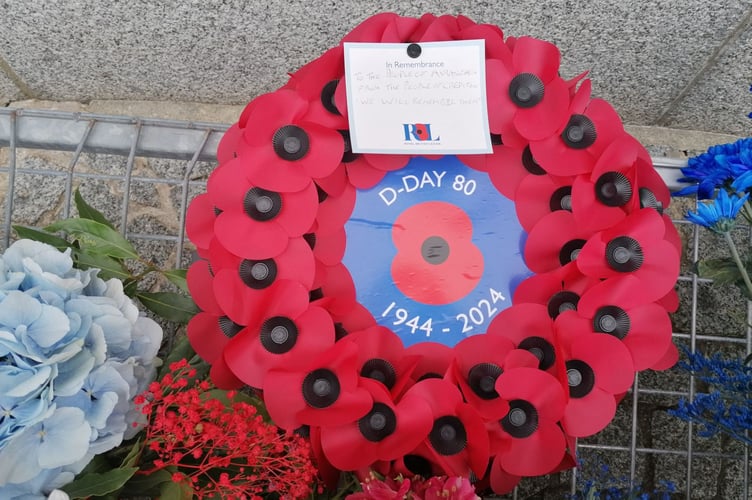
8 90
721 100
641 53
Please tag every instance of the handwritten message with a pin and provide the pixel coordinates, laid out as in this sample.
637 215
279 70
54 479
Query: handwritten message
427 98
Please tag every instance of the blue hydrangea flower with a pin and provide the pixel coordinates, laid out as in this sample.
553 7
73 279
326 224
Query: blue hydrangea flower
720 214
74 352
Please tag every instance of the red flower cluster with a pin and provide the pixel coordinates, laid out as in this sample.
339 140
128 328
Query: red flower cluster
415 488
220 450
279 308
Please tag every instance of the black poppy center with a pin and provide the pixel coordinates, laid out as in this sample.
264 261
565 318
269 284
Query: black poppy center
435 250
327 97
526 90
379 423
228 327
541 349
448 435
570 250
381 370
649 200
418 465
580 377
290 142
321 388
482 380
613 189
347 155
624 254
258 274
262 205
562 301
612 320
522 419
530 164
278 334
561 199
579 133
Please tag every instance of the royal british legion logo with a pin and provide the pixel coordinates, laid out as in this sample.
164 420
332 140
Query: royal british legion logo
418 132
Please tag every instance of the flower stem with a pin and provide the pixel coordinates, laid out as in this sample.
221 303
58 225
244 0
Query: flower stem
739 263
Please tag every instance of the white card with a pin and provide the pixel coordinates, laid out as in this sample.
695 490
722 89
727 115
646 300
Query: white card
434 103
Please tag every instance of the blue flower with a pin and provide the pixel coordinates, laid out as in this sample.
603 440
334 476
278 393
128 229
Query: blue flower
720 214
717 167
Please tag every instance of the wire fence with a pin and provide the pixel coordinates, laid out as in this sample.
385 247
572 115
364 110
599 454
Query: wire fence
143 174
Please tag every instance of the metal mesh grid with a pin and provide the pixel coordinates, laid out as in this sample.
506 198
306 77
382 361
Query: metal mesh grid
143 173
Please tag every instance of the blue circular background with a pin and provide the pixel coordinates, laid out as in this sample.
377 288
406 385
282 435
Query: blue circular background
496 232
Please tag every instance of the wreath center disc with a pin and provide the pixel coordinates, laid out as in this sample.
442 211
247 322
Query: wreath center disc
435 251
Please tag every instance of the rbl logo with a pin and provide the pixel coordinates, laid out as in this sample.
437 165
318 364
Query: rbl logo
418 132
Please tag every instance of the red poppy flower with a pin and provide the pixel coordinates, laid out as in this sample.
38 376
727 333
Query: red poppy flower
458 440
502 482
528 440
256 223
316 83
336 293
530 328
556 240
598 368
282 329
229 144
613 308
554 289
381 357
387 432
436 261
283 150
575 148
539 195
433 360
478 362
354 319
200 282
668 360
635 246
526 94
199 223
492 36
622 181
322 390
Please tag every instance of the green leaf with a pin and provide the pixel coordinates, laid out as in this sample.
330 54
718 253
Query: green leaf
96 237
169 305
175 491
96 484
178 278
723 272
110 268
181 349
98 464
37 235
86 211
146 484
130 287
131 459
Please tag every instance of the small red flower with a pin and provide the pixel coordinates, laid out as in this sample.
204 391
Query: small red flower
436 261
458 440
282 149
558 290
539 195
556 240
387 432
320 391
525 93
257 223
622 181
479 360
528 440
635 246
598 368
575 148
613 308
282 329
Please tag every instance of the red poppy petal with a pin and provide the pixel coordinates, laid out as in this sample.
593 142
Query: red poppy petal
387 163
506 171
548 116
608 357
334 183
434 357
269 171
478 447
346 448
668 360
205 336
442 396
326 149
296 263
248 238
538 57
493 38
489 409
539 388
590 414
533 197
199 221
283 398
522 321
199 280
520 358
334 211
616 291
271 111
502 482
481 349
540 288
670 301
501 110
298 211
547 240
228 184
228 144
222 377
649 336
377 342
330 247
371 29
535 455
349 407
399 30
362 175
592 214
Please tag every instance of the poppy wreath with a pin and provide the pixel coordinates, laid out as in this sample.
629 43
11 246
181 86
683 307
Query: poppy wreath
279 311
